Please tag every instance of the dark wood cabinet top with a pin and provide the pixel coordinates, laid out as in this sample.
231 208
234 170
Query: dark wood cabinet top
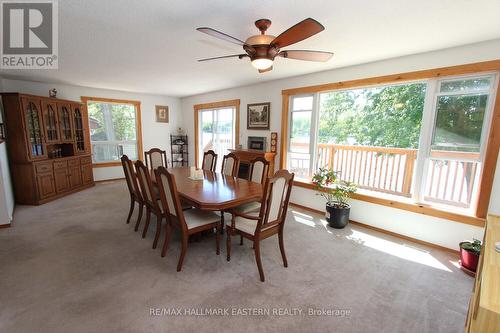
44 98
252 151
248 155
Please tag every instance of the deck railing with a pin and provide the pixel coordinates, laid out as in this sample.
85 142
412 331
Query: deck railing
450 176
381 169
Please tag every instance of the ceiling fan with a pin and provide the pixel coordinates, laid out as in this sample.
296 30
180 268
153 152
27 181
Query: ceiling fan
262 49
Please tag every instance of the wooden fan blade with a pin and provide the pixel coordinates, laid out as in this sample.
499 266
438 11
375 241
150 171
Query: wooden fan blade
306 55
228 56
220 35
298 32
265 70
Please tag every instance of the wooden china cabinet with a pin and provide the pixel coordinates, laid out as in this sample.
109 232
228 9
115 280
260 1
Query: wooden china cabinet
48 142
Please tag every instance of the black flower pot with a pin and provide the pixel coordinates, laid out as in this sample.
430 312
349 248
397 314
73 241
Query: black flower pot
337 217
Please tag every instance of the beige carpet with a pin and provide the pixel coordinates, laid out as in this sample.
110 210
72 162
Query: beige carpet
73 265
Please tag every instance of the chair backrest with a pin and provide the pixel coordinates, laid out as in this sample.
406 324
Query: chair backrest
259 168
131 177
149 195
155 157
169 196
209 160
275 200
230 165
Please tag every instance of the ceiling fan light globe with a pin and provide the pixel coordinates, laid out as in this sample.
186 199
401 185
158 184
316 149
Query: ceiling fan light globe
260 40
262 63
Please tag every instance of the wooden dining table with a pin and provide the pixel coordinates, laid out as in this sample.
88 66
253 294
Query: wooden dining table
215 191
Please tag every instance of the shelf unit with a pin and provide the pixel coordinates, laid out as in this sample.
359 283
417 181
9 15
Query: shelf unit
179 150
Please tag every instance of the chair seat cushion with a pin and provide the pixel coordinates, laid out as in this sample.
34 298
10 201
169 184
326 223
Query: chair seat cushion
196 218
248 207
243 224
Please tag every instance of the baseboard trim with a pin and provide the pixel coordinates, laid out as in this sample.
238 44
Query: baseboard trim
5 226
387 232
108 180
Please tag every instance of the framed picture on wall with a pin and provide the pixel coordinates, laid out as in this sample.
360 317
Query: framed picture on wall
258 116
161 114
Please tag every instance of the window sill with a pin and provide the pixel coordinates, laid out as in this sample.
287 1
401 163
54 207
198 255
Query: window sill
411 207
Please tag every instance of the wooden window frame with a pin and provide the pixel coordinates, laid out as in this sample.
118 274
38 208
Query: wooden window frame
214 105
492 142
138 117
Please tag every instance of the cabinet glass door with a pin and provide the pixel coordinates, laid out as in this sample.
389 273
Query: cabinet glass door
34 128
50 122
65 123
79 132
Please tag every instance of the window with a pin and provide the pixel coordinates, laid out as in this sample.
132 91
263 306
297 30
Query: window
114 129
216 132
300 136
460 122
369 134
216 128
423 140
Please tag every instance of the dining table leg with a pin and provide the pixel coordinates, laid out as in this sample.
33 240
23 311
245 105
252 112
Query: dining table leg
221 222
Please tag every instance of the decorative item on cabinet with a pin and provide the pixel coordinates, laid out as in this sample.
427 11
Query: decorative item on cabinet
49 147
257 143
53 93
274 142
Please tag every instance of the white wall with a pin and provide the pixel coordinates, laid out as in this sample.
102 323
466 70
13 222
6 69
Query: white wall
427 228
153 134
430 229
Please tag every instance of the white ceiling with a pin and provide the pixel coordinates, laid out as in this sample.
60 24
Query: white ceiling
152 46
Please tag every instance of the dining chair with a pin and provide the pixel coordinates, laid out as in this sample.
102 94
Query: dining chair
155 157
133 189
269 221
209 160
150 199
188 222
258 171
259 168
230 165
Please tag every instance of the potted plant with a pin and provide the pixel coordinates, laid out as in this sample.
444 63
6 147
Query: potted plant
337 194
469 254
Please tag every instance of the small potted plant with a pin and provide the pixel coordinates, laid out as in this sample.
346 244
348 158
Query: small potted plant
469 254
337 194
